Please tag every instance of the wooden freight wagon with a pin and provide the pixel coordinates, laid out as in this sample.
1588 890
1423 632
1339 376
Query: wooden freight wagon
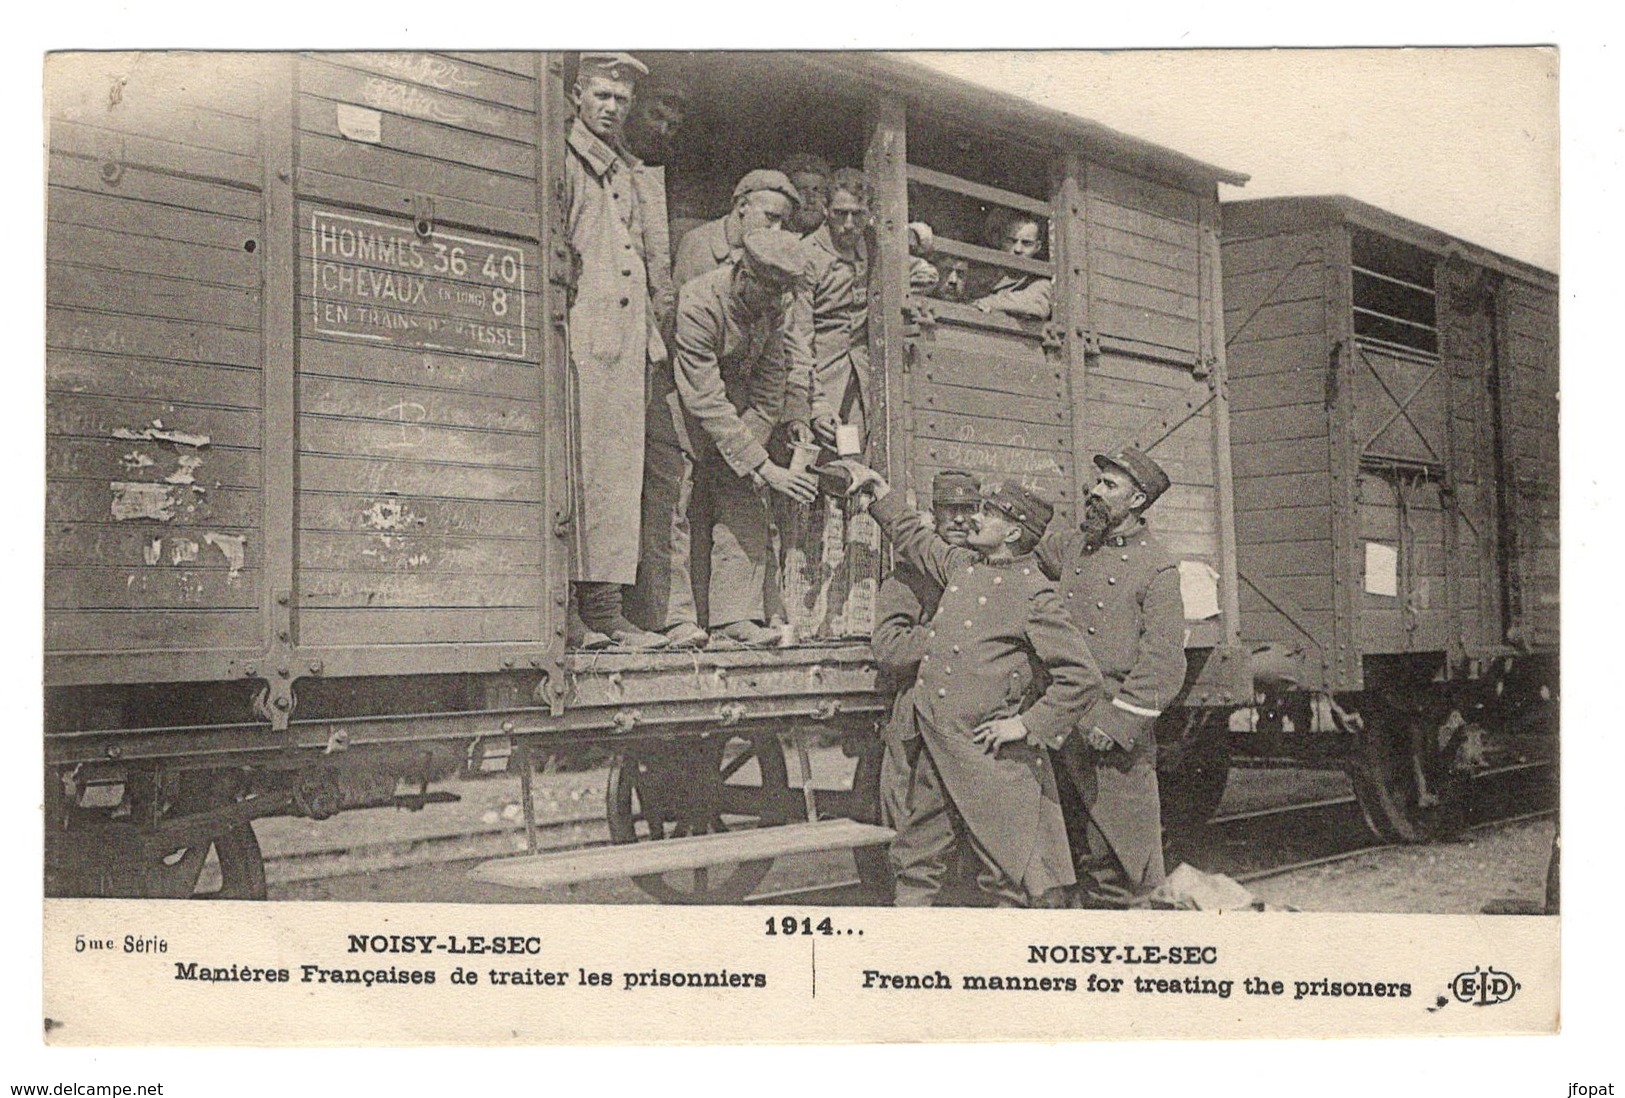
307 500
1395 448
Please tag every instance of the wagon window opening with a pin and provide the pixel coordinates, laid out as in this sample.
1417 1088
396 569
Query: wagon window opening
1394 299
741 112
987 204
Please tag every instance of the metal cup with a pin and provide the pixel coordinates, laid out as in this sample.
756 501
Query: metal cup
802 455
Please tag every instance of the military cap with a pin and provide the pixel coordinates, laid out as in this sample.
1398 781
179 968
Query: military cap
1027 509
775 255
953 486
766 179
616 66
1146 474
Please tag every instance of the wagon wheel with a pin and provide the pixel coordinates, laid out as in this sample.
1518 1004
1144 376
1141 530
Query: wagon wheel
102 859
1193 769
873 862
1400 770
698 787
228 867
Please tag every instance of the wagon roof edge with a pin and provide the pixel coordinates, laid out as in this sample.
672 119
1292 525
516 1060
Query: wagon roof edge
1320 208
919 83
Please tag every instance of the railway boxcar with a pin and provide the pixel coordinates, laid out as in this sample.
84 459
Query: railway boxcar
1394 433
307 503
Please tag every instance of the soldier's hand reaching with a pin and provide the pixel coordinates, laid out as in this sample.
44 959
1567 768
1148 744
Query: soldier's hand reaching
823 428
799 431
798 486
866 479
995 734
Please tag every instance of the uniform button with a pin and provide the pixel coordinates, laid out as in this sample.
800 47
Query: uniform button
1071 594
1110 580
931 633
627 271
942 693
947 670
953 587
925 657
1125 556
1090 630
1142 545
971 571
968 624
628 247
981 600
997 580
1100 606
1077 571
625 301
956 649
1026 571
920 681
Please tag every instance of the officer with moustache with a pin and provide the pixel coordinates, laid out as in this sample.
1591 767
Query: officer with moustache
1121 585
1004 675
912 800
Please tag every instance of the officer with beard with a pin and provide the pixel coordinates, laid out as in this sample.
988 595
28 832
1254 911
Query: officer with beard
1122 587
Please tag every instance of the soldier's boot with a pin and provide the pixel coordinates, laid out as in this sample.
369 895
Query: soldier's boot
576 633
601 610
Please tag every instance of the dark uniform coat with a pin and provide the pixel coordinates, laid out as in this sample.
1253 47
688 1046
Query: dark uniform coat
840 317
997 631
906 602
1125 597
617 224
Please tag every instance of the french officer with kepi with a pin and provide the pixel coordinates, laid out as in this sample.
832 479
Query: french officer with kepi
1005 674
1121 585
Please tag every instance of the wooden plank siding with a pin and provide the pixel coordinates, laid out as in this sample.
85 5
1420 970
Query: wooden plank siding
1528 375
155 506
420 403
1275 335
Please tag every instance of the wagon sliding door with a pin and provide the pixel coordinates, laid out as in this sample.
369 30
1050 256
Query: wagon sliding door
424 529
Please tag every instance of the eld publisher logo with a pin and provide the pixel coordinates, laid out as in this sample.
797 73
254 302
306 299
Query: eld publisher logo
1484 987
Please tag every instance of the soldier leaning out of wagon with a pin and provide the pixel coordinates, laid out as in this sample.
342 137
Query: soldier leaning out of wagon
736 383
1016 292
616 218
763 199
912 799
1121 586
983 712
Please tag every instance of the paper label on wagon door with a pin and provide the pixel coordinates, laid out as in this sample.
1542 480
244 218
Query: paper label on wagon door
1381 569
381 281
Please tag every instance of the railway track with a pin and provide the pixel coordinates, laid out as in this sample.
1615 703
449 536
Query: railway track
1249 845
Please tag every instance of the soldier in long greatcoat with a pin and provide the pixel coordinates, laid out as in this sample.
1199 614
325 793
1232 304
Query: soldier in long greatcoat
912 801
616 218
1122 587
983 707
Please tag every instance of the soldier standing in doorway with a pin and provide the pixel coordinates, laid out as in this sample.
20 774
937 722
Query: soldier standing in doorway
615 210
1122 588
734 376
